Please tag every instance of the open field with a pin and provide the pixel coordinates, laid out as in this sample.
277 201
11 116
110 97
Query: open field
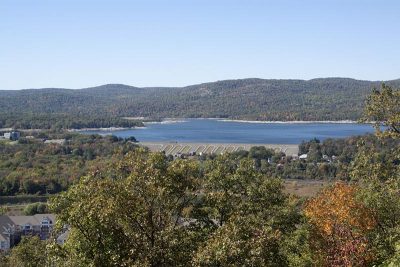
304 188
210 148
22 199
14 210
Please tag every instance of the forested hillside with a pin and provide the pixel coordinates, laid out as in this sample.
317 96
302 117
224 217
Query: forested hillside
317 99
125 206
34 167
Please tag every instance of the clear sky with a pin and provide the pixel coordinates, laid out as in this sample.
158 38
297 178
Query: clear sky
82 43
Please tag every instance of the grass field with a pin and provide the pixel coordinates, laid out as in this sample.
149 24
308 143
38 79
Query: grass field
304 188
14 210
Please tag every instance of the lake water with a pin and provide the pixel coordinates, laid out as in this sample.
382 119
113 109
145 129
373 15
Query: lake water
217 131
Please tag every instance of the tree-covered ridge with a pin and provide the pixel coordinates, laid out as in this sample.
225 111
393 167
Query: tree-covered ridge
318 99
63 121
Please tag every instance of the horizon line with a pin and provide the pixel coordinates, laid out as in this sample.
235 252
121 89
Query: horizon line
200 83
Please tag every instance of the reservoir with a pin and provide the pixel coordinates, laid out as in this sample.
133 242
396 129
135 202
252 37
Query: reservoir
239 132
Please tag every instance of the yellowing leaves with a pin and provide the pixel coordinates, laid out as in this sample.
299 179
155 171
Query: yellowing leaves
340 224
337 205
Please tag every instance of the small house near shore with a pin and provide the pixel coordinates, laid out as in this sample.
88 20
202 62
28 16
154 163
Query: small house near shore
12 228
14 135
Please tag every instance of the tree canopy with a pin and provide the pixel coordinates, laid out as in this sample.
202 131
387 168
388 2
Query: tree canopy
152 212
145 209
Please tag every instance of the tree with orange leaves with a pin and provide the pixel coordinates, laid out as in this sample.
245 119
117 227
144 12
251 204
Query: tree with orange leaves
339 227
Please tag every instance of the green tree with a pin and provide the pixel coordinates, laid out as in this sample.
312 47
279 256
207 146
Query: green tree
378 174
152 212
259 153
35 208
135 218
30 252
379 180
257 222
383 108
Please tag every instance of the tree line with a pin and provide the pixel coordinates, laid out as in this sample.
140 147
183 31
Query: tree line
63 121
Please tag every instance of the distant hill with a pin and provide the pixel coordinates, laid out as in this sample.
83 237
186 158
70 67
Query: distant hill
259 99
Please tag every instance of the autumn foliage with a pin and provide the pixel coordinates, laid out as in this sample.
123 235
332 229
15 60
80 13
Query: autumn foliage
339 227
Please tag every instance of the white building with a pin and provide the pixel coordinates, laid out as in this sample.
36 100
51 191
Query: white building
13 227
14 136
303 156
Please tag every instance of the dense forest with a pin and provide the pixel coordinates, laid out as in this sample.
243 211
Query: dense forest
258 99
34 167
62 121
329 160
146 209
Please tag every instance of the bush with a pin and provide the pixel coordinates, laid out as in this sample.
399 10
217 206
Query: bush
36 208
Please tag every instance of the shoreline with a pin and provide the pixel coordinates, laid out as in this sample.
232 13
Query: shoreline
178 120
166 121
183 120
293 122
103 129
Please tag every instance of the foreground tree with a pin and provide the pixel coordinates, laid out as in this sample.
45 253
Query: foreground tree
257 222
30 252
378 174
134 218
153 212
383 108
340 225
378 177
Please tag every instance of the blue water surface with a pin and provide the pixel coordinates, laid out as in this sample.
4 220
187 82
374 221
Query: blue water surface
217 131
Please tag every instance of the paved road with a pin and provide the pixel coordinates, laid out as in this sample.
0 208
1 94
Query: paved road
210 148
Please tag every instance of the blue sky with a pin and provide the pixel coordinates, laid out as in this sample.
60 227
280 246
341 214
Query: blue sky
82 43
